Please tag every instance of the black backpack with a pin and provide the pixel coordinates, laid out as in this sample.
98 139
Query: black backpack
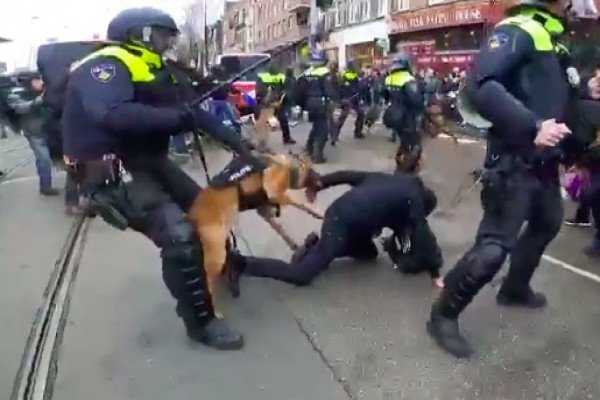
54 62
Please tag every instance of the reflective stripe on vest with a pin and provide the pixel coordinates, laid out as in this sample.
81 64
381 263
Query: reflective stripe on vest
398 79
350 76
539 33
139 70
317 71
271 79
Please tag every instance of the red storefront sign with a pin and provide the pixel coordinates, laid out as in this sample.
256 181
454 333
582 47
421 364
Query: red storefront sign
444 16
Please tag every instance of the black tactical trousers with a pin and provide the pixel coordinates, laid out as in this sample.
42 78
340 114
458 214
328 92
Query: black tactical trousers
358 124
508 200
337 240
154 201
281 115
317 136
410 149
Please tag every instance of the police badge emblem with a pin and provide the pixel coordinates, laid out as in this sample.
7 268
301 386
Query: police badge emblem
104 72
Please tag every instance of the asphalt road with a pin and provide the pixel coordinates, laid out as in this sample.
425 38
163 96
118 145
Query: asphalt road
358 332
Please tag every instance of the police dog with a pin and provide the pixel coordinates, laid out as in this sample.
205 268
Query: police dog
240 187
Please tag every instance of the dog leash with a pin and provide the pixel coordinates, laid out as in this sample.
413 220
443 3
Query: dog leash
202 155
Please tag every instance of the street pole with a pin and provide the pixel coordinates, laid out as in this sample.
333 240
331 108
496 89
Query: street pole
205 38
314 24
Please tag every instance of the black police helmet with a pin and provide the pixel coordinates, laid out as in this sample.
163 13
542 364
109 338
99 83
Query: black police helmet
401 61
127 21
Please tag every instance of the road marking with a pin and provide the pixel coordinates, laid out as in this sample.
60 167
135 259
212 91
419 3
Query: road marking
569 267
37 373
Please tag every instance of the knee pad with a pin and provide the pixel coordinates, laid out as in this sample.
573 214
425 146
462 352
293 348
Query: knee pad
478 265
487 259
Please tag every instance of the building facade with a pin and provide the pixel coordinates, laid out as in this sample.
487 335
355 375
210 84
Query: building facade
281 26
356 26
442 33
215 41
238 22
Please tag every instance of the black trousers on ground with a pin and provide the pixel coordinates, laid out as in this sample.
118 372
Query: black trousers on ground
337 240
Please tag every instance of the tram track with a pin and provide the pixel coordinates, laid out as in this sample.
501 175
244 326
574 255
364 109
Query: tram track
39 363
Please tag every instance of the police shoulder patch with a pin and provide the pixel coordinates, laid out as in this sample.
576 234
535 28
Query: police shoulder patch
103 72
497 40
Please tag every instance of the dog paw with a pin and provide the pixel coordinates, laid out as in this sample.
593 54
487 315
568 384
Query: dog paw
218 315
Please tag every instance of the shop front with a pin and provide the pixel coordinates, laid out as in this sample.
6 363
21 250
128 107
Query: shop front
446 35
365 54
359 42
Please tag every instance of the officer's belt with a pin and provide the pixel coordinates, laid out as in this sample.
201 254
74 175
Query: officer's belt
98 172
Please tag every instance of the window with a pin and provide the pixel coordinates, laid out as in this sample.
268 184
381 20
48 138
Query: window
289 23
363 14
399 5
353 17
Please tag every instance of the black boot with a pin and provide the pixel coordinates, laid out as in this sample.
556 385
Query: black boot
310 240
185 279
214 334
317 156
445 332
460 288
520 298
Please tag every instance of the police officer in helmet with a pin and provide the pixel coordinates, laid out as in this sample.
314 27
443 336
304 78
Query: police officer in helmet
270 93
316 93
520 86
406 104
350 91
122 105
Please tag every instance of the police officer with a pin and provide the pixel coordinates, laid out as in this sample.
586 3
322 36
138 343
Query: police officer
406 104
377 200
316 94
351 88
517 84
121 107
272 85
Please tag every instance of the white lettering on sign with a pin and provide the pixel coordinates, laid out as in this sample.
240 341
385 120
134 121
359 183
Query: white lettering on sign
444 16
